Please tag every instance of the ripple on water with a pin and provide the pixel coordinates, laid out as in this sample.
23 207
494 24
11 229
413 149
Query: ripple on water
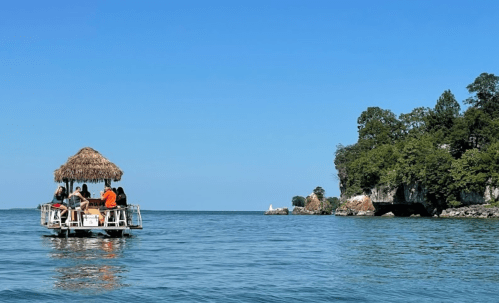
248 257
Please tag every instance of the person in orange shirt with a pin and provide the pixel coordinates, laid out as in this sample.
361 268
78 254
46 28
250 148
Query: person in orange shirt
110 197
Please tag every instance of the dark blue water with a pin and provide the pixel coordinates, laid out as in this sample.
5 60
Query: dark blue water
248 257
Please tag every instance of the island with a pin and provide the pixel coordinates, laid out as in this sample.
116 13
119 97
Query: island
314 204
438 161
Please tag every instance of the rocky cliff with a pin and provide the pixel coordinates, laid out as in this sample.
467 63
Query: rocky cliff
314 206
490 194
409 199
357 206
473 211
277 211
402 201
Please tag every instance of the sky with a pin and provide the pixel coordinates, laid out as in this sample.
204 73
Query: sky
219 105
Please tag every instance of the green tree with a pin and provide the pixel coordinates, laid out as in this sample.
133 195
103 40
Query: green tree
441 190
376 167
378 126
414 123
475 129
319 192
411 162
470 172
298 201
486 94
443 115
447 106
334 201
345 156
490 158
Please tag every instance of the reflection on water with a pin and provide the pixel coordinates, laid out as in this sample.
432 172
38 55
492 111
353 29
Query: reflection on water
88 263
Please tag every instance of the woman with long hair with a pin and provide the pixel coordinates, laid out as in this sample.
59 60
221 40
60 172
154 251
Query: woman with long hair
58 200
84 191
121 197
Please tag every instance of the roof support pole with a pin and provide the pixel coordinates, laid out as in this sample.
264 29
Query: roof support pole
67 188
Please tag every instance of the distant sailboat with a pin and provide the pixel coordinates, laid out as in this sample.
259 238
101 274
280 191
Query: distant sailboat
270 207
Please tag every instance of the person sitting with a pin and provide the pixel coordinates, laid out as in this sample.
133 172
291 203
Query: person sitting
110 197
84 191
121 202
58 200
78 201
110 200
121 197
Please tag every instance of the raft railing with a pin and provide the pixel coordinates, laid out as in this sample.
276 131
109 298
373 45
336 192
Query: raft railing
45 213
134 218
133 213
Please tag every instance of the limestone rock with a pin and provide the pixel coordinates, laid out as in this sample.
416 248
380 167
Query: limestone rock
277 211
472 198
473 211
301 211
356 206
415 193
490 194
384 194
316 206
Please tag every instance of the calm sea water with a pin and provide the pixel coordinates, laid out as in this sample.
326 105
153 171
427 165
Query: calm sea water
249 257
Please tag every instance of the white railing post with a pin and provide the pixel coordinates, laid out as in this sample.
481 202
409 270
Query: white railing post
139 216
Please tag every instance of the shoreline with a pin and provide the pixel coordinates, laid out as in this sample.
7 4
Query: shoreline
471 211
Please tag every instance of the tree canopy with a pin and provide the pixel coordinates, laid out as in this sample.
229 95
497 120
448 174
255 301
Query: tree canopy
298 201
485 89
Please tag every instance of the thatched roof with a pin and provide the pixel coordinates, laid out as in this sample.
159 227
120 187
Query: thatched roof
88 165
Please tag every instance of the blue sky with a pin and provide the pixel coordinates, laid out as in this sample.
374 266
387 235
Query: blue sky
219 105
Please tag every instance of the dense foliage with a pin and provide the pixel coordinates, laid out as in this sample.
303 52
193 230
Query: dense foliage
334 201
441 149
319 192
298 201
301 201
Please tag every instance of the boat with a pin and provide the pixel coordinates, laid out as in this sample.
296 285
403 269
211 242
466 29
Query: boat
89 166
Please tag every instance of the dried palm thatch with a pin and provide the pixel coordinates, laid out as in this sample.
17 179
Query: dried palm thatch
88 165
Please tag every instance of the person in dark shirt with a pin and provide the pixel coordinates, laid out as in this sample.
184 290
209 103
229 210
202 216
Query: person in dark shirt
121 201
84 191
121 197
58 200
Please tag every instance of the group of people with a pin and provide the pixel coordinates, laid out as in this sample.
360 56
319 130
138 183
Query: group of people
113 197
78 199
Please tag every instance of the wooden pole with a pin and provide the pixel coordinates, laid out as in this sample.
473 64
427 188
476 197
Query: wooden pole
67 188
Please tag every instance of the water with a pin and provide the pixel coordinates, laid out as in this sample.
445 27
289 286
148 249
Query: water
248 257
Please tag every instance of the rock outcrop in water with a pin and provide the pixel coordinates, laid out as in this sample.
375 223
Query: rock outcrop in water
314 206
402 201
410 199
473 211
302 211
277 211
356 206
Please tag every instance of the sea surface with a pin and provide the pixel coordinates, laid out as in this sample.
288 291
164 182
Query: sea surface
249 257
